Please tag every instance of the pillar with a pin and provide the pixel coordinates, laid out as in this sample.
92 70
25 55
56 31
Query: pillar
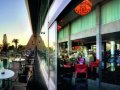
69 39
98 42
104 57
112 49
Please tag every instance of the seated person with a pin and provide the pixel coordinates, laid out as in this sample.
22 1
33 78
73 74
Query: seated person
81 60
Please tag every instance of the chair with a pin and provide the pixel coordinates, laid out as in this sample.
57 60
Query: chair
118 60
23 76
94 64
19 86
81 68
67 68
68 65
112 61
5 63
67 80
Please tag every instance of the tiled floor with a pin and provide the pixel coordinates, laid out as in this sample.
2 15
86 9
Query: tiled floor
92 83
83 84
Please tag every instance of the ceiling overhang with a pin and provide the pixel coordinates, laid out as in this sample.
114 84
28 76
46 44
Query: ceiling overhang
37 10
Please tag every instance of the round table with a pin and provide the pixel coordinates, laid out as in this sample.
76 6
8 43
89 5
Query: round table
19 59
7 74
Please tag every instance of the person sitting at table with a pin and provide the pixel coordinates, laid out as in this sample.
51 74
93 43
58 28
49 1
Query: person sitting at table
81 60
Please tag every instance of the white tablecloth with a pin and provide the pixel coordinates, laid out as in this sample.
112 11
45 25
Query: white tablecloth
19 59
7 74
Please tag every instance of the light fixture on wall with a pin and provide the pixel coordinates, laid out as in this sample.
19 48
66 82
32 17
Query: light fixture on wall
42 32
84 7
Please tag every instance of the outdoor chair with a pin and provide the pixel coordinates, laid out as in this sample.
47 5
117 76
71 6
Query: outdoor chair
19 86
23 75
5 63
80 69
22 78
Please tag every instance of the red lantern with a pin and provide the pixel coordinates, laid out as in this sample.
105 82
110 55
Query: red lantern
83 8
59 27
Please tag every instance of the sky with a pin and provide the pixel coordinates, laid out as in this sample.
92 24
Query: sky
14 21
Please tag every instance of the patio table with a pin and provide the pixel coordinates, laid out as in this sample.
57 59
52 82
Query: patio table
6 74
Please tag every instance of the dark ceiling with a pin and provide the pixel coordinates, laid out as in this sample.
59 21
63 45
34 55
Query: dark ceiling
114 36
38 10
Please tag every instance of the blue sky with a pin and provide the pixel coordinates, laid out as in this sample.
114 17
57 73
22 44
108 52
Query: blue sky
14 21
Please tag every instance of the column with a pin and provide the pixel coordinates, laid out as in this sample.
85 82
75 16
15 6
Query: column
112 51
98 42
117 46
69 39
104 57
112 43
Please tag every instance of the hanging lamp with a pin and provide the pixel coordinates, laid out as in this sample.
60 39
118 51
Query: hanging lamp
84 7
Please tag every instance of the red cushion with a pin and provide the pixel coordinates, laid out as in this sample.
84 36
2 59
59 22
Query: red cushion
67 66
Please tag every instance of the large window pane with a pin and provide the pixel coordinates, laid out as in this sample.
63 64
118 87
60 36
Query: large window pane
43 51
52 50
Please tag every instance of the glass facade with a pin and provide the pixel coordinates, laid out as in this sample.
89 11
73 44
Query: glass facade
48 54
43 53
52 51
86 47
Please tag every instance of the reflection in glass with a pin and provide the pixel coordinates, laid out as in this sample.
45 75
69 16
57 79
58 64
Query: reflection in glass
52 51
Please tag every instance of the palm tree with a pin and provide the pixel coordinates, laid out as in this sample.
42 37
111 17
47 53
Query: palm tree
16 42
